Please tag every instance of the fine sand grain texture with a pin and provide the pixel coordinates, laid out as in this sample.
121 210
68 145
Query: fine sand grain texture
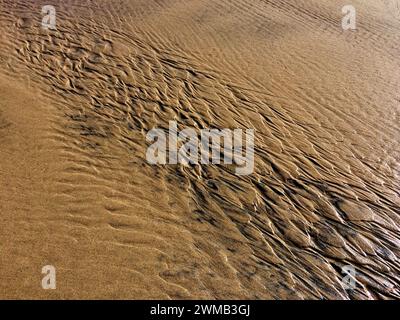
76 191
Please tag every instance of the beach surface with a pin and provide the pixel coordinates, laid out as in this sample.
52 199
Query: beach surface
77 193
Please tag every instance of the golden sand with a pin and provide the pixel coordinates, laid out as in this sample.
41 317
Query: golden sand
77 192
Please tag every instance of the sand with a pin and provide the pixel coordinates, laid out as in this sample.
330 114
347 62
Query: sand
76 190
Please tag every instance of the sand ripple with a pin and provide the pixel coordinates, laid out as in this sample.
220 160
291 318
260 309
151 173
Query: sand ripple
325 107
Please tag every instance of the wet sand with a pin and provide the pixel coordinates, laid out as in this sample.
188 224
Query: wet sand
76 189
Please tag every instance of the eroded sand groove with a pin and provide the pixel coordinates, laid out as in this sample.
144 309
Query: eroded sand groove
325 189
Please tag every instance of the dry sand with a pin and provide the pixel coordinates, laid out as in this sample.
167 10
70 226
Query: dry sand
77 192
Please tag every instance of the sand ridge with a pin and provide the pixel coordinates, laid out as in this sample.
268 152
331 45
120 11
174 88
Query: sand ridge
324 193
